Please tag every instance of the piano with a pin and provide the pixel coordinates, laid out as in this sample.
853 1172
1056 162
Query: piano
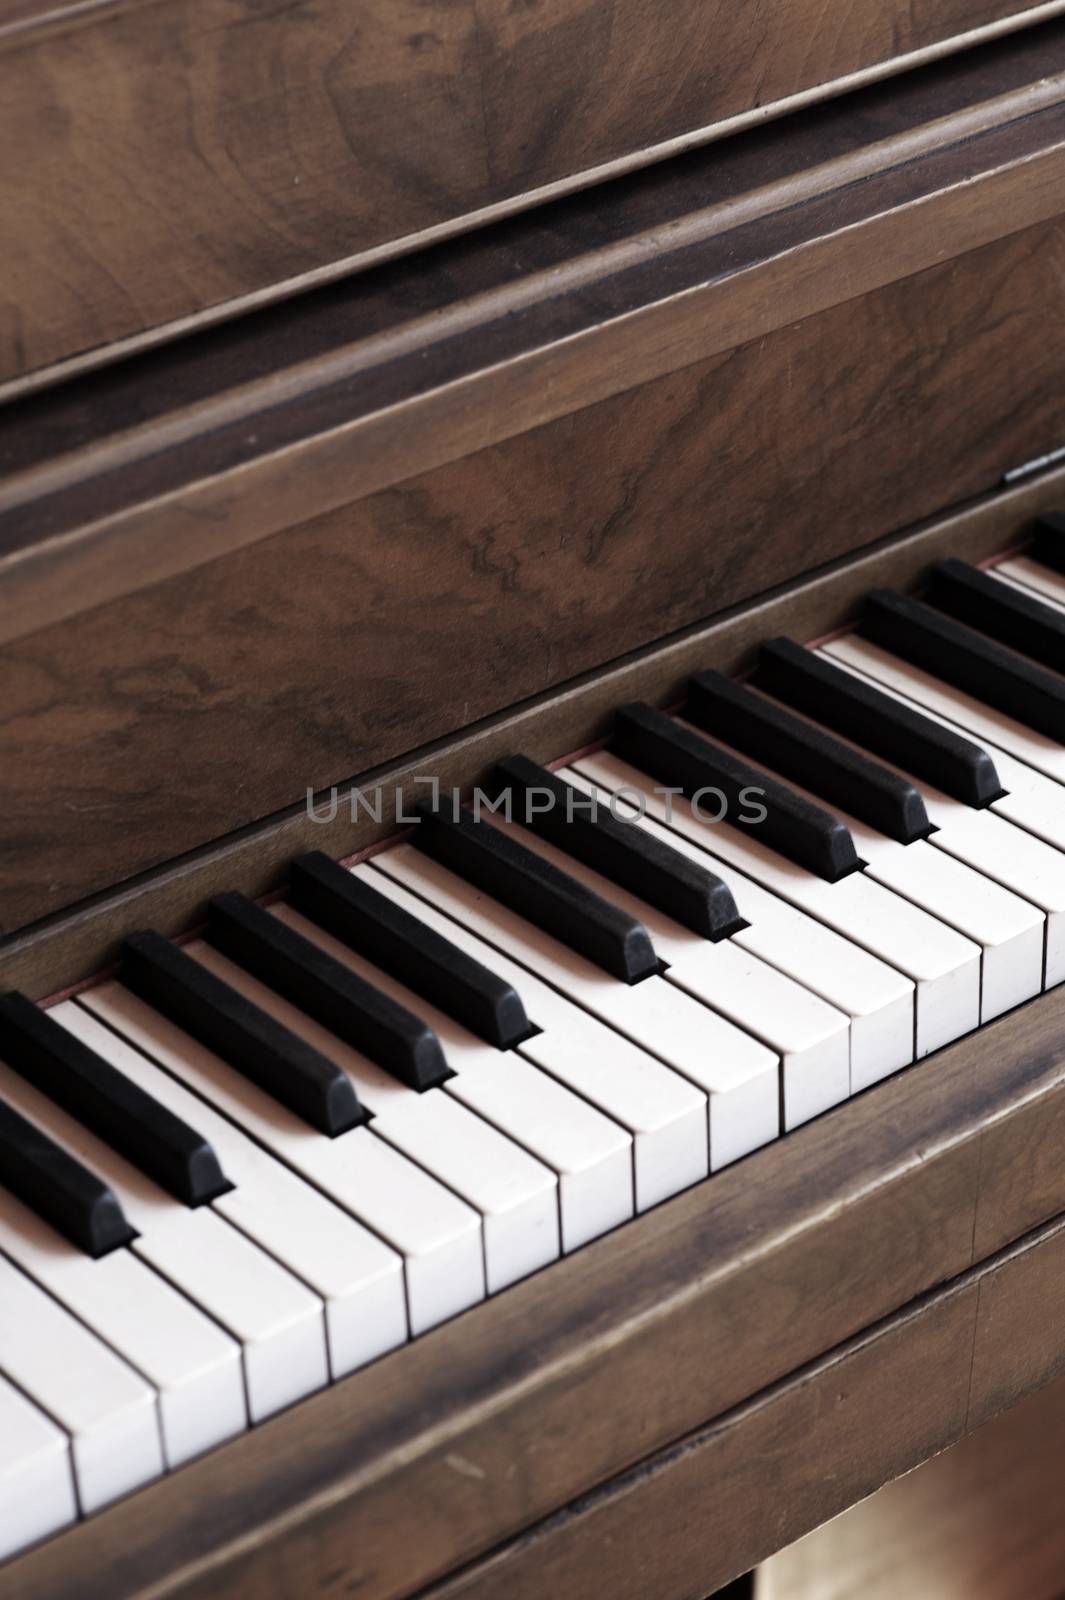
532 811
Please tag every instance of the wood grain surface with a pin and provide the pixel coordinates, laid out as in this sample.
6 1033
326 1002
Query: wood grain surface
697 1513
136 731
188 155
670 1359
218 442
982 1521
83 939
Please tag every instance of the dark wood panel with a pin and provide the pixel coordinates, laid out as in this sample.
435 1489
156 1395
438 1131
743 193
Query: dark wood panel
84 940
189 154
220 441
982 1520
705 1510
492 1423
204 703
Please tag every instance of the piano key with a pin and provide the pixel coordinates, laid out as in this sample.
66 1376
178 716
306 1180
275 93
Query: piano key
1028 762
437 1234
805 834
36 1474
664 1113
108 1411
58 1188
192 1364
359 1279
349 908
810 1037
593 928
590 1155
277 1321
1027 576
805 680
1019 842
654 872
966 659
1048 545
800 750
878 1000
170 1152
738 1074
165 977
515 1195
973 716
982 601
1010 930
1004 854
296 968
944 965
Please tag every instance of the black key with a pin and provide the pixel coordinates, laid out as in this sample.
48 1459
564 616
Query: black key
278 1061
1006 614
517 877
400 943
878 722
808 756
108 1103
1048 546
627 855
676 756
971 662
327 990
58 1188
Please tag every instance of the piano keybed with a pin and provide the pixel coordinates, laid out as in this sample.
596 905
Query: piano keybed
563 1028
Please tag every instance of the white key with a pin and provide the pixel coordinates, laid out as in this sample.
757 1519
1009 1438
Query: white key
986 840
191 1363
278 1323
982 723
106 1408
878 1000
437 1235
1019 841
738 1074
36 1474
516 1195
811 1038
590 1155
1010 931
1021 572
359 1279
943 964
664 1113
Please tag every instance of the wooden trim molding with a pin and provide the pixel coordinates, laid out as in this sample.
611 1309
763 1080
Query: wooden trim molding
204 447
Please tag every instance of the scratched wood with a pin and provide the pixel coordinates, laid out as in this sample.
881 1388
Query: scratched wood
193 154
669 1360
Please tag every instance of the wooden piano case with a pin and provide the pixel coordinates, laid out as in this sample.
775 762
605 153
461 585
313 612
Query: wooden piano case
469 504
191 158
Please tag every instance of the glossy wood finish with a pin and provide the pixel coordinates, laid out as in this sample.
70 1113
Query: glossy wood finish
82 940
680 1347
983 1520
643 300
256 149
201 704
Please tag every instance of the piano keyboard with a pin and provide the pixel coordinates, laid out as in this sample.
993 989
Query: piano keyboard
256 1162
